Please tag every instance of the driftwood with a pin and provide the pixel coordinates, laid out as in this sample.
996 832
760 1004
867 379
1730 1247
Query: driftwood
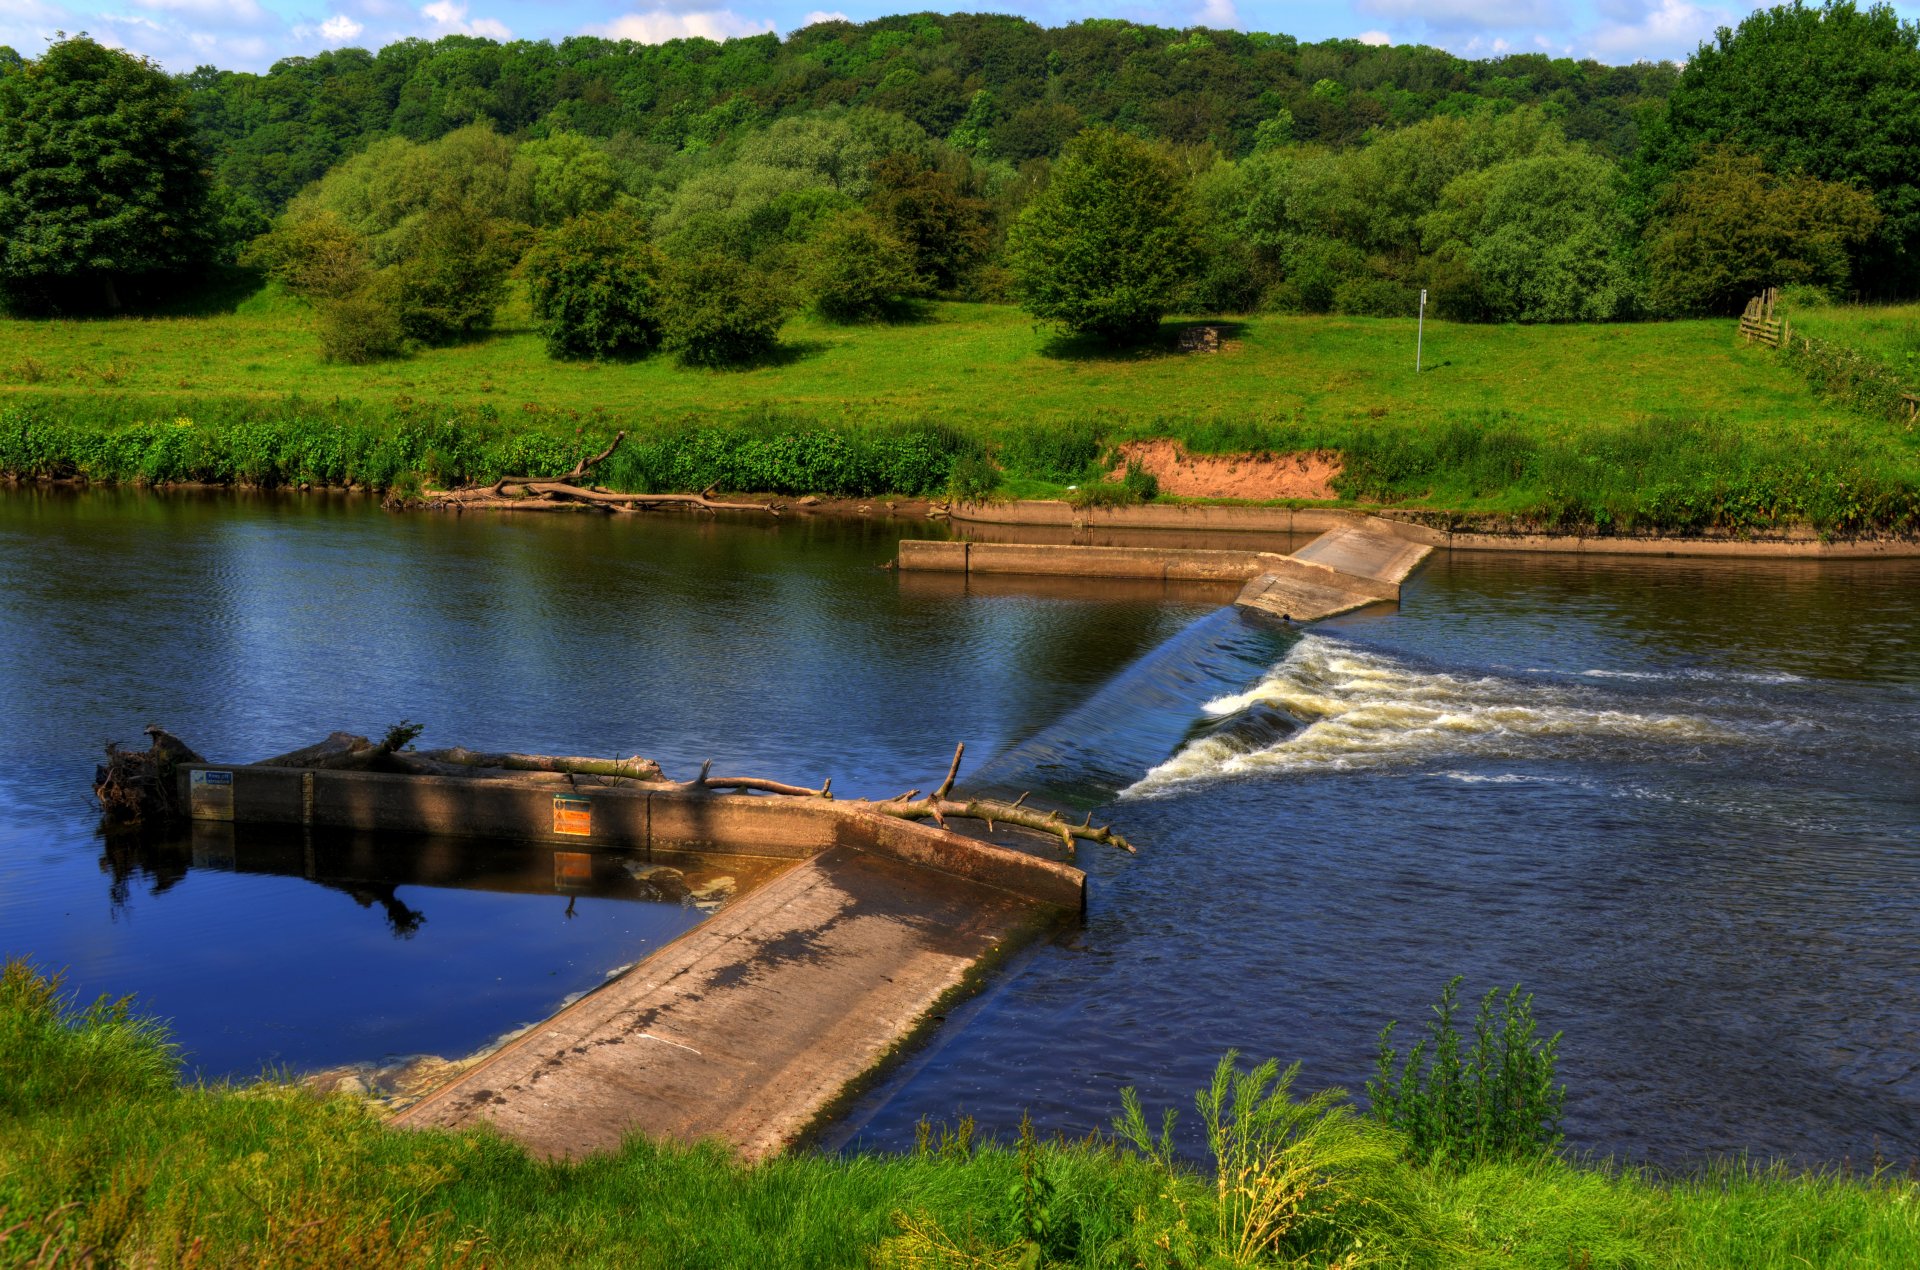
939 805
142 785
634 768
571 493
345 752
139 786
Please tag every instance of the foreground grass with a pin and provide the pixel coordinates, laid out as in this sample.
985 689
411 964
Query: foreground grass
103 1154
1669 426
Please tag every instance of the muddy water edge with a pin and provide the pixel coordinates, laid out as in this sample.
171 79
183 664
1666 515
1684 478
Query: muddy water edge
1679 799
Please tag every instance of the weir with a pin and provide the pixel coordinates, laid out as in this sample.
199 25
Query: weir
749 1027
1357 561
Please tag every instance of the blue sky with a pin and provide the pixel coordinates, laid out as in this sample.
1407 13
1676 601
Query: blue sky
252 34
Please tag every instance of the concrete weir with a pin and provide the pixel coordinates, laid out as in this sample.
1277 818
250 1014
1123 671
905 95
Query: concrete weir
1359 560
750 1027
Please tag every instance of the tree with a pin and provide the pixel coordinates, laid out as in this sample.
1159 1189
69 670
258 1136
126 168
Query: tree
101 179
719 311
1832 92
595 285
928 208
1102 250
452 273
1539 239
858 271
1728 228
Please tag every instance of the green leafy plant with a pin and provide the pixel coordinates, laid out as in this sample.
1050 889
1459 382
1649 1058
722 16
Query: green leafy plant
1494 1100
1290 1178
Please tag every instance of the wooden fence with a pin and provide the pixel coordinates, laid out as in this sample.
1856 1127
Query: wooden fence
1758 322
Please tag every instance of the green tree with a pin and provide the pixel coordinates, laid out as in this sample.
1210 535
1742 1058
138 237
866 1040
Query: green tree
1728 228
1832 92
858 271
1539 239
717 310
452 274
102 184
562 176
931 210
1102 250
595 285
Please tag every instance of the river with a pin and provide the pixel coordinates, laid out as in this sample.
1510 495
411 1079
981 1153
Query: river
1679 800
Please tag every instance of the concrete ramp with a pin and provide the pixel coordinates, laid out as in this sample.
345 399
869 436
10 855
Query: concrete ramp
1367 548
748 1028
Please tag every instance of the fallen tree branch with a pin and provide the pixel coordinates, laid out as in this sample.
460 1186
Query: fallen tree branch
345 752
567 492
938 805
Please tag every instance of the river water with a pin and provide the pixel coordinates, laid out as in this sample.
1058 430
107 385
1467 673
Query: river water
1678 800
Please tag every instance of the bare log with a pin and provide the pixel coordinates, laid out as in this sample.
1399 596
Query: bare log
706 780
634 768
345 752
938 805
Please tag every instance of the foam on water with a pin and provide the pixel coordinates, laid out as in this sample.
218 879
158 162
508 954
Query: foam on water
1359 709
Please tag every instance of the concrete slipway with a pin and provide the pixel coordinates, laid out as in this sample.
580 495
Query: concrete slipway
752 1025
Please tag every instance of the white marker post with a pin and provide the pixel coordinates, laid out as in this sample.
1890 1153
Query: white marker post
1420 338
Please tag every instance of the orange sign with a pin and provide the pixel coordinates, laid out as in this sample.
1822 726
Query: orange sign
573 815
571 868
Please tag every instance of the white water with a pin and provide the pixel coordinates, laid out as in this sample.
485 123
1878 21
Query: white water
1360 709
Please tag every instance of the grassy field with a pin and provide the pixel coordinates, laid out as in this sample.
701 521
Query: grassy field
968 364
1669 426
1889 332
104 1155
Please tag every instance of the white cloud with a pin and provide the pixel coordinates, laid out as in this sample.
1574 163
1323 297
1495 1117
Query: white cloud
1379 39
1467 15
660 26
340 28
451 17
210 12
1220 15
1662 29
818 16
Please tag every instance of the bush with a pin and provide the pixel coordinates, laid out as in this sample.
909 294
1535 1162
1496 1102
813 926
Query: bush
452 274
361 327
858 271
1374 297
974 478
1498 1102
717 311
595 285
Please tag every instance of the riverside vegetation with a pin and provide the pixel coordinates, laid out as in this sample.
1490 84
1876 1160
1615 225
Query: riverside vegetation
1669 426
106 1159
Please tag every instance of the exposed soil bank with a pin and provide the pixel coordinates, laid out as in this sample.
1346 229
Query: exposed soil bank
1257 477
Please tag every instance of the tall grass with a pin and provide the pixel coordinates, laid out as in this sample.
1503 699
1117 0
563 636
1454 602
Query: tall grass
104 1160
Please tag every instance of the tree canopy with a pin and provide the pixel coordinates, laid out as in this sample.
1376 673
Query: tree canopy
102 183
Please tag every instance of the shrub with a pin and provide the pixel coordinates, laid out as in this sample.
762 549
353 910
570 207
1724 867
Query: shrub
1496 1102
595 285
858 271
361 327
974 478
452 274
717 311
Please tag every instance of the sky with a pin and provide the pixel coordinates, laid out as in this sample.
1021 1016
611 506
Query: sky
253 34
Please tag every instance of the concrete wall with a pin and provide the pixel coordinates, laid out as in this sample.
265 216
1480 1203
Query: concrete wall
622 818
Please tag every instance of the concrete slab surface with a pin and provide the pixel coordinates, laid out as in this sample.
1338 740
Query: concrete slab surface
1363 549
1299 596
747 1028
